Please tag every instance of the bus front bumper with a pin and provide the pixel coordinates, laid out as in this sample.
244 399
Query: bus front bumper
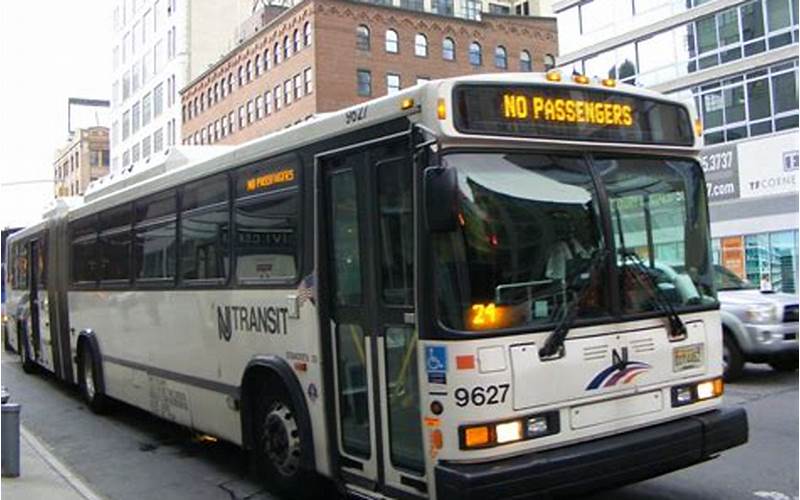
599 464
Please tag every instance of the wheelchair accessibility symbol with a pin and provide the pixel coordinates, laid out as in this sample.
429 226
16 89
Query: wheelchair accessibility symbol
436 364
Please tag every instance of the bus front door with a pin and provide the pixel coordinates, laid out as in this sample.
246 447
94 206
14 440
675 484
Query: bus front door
368 204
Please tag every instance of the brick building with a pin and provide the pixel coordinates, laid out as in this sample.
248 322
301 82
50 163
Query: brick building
84 159
321 56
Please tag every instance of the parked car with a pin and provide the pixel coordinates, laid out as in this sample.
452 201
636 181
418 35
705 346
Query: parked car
758 326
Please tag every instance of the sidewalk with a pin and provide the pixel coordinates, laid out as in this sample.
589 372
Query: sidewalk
43 476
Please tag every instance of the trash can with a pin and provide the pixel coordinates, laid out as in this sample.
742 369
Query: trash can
10 435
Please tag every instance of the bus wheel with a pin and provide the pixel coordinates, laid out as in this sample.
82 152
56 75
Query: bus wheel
89 378
279 446
28 366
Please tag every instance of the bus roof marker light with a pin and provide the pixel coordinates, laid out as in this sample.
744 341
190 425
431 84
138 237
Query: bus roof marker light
441 110
609 82
582 79
407 104
553 75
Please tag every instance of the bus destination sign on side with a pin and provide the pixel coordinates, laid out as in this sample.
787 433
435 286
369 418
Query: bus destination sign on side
570 113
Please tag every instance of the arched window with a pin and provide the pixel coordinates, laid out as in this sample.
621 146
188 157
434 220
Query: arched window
248 72
222 91
265 60
362 37
230 83
307 34
216 92
392 43
257 65
210 97
475 54
420 45
525 61
448 49
296 41
500 57
241 76
276 54
287 48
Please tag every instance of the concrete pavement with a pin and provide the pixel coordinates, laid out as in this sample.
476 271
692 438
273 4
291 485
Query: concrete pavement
43 476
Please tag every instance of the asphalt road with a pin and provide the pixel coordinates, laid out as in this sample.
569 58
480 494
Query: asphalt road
132 455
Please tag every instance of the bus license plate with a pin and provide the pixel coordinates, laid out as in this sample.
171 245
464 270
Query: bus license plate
687 357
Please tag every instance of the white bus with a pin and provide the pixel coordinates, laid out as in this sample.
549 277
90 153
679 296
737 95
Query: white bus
466 289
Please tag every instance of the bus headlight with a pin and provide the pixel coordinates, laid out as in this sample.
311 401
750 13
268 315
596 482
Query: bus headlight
508 431
687 394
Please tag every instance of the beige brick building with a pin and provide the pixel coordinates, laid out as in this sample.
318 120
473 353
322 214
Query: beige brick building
84 159
321 56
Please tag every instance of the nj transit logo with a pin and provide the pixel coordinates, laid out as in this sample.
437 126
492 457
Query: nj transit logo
622 371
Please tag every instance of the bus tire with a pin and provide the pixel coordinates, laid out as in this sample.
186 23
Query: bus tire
278 444
89 379
28 366
732 358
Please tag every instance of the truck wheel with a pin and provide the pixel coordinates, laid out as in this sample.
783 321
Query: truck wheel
732 359
89 380
784 364
279 444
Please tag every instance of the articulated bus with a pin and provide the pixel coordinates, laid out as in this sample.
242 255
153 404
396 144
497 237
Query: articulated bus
479 287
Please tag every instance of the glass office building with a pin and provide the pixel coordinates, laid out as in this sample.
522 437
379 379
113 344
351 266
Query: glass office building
737 64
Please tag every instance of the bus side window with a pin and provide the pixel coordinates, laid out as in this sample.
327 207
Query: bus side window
115 243
155 238
266 238
84 250
205 230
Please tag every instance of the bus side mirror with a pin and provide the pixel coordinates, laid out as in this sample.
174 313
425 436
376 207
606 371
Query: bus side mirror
441 203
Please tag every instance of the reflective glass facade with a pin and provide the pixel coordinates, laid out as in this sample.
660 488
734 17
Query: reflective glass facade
756 256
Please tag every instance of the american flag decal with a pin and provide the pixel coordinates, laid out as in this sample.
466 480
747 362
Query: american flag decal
307 290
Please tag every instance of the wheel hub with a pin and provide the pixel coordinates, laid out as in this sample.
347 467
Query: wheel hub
88 378
281 439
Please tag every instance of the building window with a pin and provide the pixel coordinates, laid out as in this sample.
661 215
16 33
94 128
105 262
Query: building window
135 152
296 41
392 83
231 122
525 61
307 34
126 125
268 102
364 82
362 37
277 93
217 131
298 86
250 112
230 83
287 48
259 107
241 117
158 100
287 92
309 82
216 92
448 49
248 72
276 54
475 54
147 109
500 57
146 145
392 43
240 80
135 118
209 96
420 45
257 65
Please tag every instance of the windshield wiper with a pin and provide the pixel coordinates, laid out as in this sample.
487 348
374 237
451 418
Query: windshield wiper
554 342
676 327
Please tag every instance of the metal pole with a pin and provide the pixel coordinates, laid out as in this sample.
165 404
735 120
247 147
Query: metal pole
10 436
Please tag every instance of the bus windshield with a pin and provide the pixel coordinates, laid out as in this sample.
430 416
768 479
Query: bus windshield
531 230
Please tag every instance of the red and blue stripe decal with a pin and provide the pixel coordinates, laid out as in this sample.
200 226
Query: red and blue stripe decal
616 374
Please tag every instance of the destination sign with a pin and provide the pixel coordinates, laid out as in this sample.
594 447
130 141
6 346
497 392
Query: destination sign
569 113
